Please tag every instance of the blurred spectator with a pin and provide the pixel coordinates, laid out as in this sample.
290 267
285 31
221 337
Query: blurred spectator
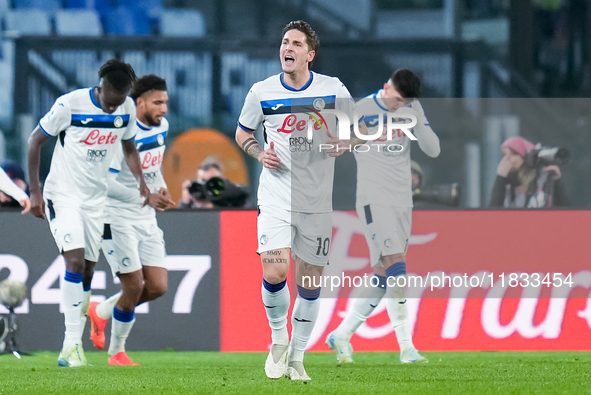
210 167
417 175
525 185
13 187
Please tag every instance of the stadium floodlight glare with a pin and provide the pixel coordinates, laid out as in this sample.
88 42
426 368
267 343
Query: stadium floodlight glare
12 295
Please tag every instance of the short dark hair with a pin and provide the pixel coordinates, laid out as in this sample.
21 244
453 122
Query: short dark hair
147 83
311 37
406 83
119 74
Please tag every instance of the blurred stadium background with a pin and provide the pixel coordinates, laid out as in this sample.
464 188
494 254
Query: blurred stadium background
491 69
211 52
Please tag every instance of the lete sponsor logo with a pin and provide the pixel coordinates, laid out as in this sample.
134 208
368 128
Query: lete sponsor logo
95 137
149 160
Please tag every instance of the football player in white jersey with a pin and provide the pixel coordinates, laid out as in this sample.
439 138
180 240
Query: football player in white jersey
90 124
384 205
133 244
295 188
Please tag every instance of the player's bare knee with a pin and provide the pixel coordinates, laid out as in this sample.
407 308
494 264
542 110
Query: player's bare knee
391 260
275 276
155 290
75 263
132 283
275 265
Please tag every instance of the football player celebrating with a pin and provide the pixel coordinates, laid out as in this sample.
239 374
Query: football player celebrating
91 124
133 244
295 188
384 205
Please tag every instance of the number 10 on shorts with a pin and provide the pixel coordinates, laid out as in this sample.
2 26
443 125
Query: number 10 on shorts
323 246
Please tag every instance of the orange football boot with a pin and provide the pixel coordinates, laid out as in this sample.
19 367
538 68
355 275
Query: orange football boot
97 326
121 359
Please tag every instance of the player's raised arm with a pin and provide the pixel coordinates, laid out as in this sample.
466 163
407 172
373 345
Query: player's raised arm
426 137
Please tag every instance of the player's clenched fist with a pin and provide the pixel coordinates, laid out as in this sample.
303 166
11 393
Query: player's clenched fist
37 204
269 158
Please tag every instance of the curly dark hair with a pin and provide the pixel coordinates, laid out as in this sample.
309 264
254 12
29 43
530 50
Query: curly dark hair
119 74
406 83
311 37
147 83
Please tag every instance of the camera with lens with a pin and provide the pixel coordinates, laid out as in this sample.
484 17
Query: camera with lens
545 156
220 192
447 194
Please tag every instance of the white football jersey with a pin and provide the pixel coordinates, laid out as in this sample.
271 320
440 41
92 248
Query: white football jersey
384 177
87 140
150 145
304 181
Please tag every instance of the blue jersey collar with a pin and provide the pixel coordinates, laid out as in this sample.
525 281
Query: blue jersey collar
93 99
294 89
142 125
378 100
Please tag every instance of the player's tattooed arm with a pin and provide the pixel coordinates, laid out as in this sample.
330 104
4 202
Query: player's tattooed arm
251 147
248 143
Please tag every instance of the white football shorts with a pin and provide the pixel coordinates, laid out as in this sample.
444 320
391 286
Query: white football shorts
386 228
307 234
129 247
73 227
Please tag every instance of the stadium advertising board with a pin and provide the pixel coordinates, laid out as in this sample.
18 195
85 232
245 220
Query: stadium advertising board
536 262
185 318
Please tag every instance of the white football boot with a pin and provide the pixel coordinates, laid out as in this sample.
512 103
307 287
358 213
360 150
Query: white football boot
296 371
276 363
72 358
411 355
341 347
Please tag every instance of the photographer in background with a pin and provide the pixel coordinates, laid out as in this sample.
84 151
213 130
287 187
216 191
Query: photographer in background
210 167
526 178
211 189
432 197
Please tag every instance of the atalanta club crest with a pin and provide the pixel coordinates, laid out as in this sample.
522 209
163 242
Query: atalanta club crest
319 103
118 122
160 139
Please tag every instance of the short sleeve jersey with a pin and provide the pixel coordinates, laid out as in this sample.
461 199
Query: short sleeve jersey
304 181
384 177
87 140
150 145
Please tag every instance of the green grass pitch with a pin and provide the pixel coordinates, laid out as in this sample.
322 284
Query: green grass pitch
242 373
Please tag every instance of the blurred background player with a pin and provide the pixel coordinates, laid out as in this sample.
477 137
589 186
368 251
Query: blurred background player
90 124
133 244
384 205
11 188
295 190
